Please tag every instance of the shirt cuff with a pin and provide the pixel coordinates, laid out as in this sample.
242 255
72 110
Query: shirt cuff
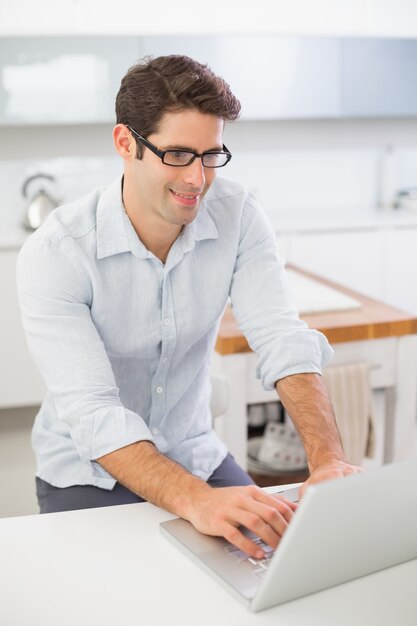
304 351
107 430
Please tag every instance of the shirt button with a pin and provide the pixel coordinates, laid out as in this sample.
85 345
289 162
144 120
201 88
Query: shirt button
155 431
166 321
159 389
165 359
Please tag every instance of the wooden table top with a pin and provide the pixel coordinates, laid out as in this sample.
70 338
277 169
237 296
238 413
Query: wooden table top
374 320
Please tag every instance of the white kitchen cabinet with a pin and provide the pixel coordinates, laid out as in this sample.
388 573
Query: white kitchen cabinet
20 381
293 77
401 289
62 80
354 259
378 77
278 77
74 79
273 77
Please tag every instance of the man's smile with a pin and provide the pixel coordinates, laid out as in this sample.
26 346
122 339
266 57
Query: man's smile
189 199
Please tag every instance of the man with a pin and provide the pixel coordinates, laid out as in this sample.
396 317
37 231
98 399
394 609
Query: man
121 294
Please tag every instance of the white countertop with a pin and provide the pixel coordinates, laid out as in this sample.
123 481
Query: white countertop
112 566
287 222
311 296
13 237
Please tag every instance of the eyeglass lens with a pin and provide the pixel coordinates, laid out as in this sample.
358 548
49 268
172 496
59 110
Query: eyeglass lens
211 159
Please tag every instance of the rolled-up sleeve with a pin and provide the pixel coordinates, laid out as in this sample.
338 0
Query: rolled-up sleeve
263 305
55 296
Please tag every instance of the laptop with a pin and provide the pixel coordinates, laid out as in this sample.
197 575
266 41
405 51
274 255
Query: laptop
342 529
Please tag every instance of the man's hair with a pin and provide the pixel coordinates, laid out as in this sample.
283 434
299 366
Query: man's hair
165 84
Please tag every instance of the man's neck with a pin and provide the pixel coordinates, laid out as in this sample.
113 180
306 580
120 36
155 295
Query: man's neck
155 234
157 244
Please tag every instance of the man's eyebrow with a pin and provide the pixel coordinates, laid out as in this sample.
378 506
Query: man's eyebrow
188 148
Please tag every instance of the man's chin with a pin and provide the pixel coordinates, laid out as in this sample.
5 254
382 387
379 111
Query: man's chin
186 215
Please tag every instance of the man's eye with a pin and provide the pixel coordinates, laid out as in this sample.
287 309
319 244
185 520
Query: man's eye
178 154
211 157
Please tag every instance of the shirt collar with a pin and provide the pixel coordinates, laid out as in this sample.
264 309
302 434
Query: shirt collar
115 232
111 232
203 227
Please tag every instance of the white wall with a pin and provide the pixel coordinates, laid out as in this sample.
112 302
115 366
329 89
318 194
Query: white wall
292 166
321 165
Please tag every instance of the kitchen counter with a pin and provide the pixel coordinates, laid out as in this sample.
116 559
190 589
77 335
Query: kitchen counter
377 334
286 222
372 321
13 237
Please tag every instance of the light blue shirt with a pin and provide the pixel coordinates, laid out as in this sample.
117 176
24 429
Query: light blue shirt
123 341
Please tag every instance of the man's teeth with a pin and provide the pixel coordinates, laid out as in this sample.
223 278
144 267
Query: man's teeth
183 195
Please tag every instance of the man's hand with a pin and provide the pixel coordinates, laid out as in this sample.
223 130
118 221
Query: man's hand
329 471
307 400
221 511
214 511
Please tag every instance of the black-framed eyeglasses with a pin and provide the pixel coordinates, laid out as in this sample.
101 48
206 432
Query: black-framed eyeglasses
183 157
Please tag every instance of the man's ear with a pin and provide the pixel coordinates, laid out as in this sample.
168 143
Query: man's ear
124 142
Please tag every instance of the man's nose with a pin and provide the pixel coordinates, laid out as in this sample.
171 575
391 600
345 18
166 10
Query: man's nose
194 174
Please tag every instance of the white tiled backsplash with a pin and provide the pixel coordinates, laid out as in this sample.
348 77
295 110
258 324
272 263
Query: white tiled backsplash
313 179
298 167
323 165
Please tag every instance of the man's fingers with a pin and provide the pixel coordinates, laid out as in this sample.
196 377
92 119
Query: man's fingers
238 539
292 505
268 525
229 509
283 506
267 522
331 471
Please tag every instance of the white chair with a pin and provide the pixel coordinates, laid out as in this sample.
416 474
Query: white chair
219 387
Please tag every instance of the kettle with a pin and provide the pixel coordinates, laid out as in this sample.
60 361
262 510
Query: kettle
40 205
406 199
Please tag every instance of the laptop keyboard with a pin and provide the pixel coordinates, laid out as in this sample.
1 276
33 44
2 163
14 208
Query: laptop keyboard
256 566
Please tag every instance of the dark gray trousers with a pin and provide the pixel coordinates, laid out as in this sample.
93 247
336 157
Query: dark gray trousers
53 499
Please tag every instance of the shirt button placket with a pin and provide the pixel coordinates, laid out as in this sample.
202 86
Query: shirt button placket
167 338
159 389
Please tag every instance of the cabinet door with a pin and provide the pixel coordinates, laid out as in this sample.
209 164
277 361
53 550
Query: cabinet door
62 80
401 271
20 382
273 77
353 259
283 77
379 77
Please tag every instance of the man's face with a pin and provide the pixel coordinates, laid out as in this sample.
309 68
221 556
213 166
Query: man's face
173 194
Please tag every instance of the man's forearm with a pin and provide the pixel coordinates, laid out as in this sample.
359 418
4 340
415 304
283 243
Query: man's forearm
307 401
149 474
219 512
